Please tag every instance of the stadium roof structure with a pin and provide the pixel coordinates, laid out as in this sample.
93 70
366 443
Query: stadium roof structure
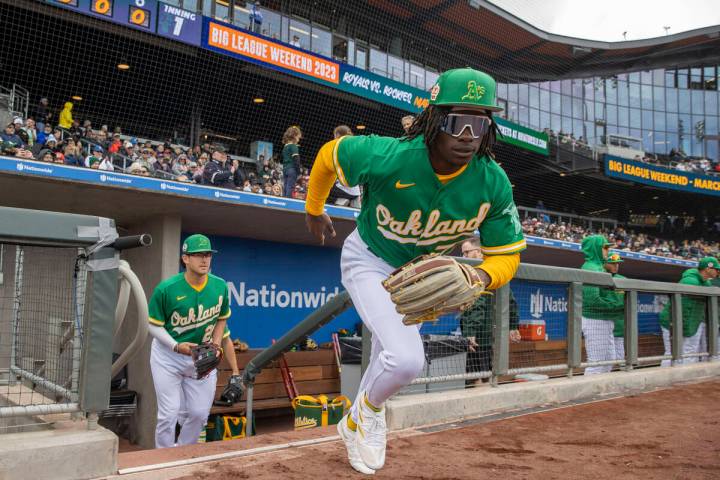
516 48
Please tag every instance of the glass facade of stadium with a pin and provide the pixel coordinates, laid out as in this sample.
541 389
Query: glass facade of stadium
667 109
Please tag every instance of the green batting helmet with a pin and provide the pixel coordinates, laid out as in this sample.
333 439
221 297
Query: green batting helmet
465 87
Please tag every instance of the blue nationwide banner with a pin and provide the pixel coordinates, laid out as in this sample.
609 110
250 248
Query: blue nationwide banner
661 177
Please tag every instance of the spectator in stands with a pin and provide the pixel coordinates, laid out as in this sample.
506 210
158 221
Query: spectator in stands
71 156
30 138
180 165
139 169
75 129
10 137
66 118
164 164
341 194
277 190
256 18
193 173
47 156
146 160
246 186
267 189
295 42
291 159
43 133
128 152
256 188
195 153
95 158
693 312
407 122
218 172
115 144
102 136
597 328
239 176
476 322
87 130
51 143
41 113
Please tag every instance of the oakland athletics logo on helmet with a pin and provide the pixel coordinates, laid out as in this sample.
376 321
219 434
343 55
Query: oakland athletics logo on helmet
465 86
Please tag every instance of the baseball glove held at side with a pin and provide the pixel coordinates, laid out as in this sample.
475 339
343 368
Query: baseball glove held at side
206 357
232 393
433 285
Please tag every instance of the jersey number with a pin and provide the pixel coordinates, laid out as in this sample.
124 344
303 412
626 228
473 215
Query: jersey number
208 333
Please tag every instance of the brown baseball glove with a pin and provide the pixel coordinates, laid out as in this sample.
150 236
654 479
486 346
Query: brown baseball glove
433 285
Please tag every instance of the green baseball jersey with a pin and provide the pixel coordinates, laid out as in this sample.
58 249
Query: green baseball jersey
189 314
407 211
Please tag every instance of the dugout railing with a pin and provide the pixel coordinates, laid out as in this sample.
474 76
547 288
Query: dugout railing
59 279
568 352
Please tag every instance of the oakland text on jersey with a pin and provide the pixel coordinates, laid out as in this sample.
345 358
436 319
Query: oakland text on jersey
432 231
205 315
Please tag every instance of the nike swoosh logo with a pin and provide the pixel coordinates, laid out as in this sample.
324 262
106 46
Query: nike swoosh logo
180 297
400 186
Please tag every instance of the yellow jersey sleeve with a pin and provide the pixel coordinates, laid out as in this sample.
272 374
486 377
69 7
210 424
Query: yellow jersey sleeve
500 268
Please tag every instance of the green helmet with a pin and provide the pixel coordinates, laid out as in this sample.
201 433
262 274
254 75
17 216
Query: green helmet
465 86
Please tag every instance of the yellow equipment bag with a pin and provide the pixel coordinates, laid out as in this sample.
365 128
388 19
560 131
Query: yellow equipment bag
317 411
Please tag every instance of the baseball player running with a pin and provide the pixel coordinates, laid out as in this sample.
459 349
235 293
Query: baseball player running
423 192
185 310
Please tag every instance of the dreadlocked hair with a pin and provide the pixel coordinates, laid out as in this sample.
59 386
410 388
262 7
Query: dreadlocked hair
428 124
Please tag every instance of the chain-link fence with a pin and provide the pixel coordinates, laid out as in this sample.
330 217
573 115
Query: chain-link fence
42 310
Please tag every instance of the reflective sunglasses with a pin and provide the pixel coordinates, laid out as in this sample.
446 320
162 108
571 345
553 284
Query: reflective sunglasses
455 124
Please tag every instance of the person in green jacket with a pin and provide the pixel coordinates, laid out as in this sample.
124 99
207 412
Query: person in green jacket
612 266
598 308
693 312
716 283
476 322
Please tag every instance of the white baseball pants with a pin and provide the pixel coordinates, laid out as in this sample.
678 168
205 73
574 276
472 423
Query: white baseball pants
695 344
177 389
397 354
599 343
619 348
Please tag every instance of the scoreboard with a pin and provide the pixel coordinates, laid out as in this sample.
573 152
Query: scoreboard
152 16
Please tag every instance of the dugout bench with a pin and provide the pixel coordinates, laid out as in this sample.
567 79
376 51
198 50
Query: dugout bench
315 372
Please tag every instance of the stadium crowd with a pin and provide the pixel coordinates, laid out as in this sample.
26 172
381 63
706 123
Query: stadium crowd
81 145
622 239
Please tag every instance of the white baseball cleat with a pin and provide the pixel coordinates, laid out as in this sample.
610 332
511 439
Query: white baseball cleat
348 437
371 436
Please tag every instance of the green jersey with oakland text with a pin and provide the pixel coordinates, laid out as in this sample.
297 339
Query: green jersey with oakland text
407 211
189 314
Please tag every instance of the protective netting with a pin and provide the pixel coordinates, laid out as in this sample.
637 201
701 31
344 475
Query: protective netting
42 308
255 69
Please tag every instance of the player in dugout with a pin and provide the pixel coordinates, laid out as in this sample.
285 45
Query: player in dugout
424 192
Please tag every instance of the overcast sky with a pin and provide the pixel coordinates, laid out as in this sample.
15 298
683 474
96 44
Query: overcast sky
606 20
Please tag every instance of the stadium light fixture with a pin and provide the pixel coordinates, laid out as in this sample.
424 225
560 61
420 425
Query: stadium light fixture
123 66
360 127
77 98
258 100
562 174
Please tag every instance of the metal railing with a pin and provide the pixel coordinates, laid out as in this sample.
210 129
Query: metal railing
58 301
562 346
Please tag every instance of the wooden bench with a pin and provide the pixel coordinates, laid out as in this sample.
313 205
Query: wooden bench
554 352
315 372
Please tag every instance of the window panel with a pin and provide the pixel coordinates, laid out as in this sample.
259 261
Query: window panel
535 119
566 87
554 102
566 105
534 96
658 98
567 125
545 100
658 78
611 112
577 108
646 93
395 68
659 121
544 120
299 34
682 78
634 95
523 115
598 87
711 103
671 99
670 78
709 78
711 125
623 117
646 77
589 111
635 118
512 94
502 90
659 143
321 41
671 124
272 24
523 94
555 122
696 78
611 90
684 101
623 93
634 77
697 101
378 62
647 120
